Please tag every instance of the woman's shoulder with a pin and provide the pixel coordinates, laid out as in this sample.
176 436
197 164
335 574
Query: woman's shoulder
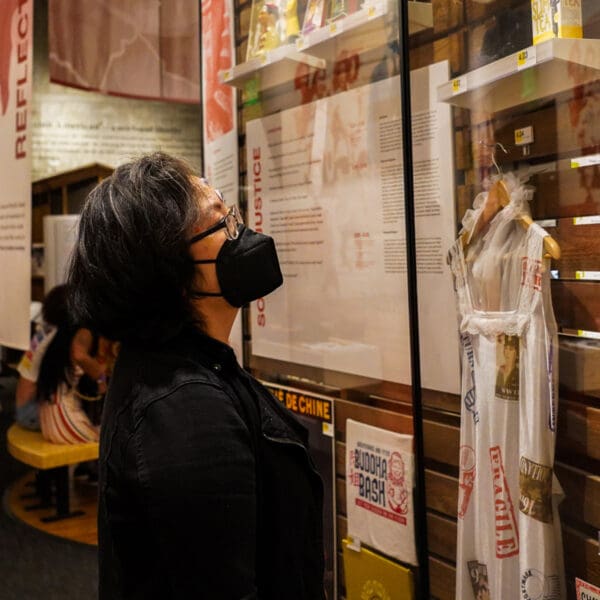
158 373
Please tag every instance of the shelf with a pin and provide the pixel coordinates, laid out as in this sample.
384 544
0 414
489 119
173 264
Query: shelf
366 29
372 26
274 68
537 72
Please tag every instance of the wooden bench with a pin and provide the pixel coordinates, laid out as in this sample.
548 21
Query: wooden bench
52 462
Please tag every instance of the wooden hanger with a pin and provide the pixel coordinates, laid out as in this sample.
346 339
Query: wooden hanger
498 198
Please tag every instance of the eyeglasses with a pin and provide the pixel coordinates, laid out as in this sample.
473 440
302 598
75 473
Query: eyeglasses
231 222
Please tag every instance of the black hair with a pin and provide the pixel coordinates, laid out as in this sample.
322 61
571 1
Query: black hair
57 358
131 273
55 309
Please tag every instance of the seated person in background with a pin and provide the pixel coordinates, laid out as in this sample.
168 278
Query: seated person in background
26 405
67 357
88 345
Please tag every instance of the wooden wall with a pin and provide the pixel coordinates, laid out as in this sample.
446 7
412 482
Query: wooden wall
561 194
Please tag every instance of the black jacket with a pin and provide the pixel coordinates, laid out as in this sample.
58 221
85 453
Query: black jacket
206 487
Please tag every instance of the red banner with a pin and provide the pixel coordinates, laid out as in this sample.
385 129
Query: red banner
146 50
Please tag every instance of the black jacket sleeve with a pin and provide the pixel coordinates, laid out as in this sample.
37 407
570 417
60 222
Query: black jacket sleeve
196 471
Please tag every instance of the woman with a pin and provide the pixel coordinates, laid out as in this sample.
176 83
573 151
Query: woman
206 487
50 372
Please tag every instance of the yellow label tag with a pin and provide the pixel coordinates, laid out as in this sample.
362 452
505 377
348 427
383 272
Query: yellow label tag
526 58
456 86
371 12
227 75
327 429
332 27
574 164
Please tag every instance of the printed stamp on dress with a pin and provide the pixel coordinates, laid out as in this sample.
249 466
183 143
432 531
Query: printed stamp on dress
535 586
507 367
535 486
479 580
470 397
531 273
466 479
507 531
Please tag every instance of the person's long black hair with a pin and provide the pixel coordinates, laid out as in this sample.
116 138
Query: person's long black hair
57 358
131 273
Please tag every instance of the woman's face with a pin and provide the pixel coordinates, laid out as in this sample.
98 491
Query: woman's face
510 354
212 209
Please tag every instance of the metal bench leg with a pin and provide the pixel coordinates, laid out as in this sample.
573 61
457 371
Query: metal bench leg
43 491
61 476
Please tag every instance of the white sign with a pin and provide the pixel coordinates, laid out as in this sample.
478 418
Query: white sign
60 236
16 62
379 490
326 180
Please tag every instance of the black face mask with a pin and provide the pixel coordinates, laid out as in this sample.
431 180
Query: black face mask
247 268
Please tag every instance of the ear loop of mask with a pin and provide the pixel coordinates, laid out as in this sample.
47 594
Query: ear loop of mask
202 294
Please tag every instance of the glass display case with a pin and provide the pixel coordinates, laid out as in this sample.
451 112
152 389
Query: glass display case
367 132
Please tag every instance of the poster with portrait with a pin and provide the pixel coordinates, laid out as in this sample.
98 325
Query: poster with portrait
16 65
507 367
220 142
379 490
326 181
316 413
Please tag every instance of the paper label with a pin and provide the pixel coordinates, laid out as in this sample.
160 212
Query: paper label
524 135
459 85
588 334
588 275
585 161
592 220
525 59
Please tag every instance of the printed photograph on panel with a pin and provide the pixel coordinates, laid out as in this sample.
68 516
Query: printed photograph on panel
507 367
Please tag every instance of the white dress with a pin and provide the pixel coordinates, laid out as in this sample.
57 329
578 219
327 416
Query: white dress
509 539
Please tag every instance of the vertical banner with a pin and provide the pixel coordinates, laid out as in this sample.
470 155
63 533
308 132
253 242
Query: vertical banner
220 143
315 412
379 490
218 99
16 65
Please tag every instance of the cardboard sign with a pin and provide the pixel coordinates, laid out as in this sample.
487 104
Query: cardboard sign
379 489
369 575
